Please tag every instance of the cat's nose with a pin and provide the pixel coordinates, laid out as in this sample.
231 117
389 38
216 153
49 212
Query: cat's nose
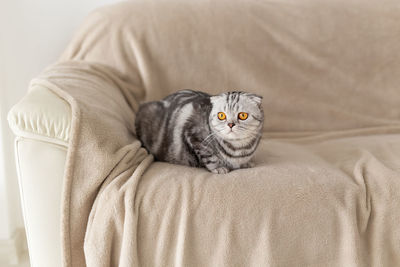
231 124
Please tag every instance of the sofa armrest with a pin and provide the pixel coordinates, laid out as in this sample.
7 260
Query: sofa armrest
41 115
97 125
40 167
42 123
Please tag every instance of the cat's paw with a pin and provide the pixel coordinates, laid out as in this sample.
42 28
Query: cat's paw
220 170
249 164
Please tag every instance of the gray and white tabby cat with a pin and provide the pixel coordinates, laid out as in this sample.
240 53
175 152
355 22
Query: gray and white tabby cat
220 133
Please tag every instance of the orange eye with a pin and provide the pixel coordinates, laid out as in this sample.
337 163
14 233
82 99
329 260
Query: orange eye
221 116
242 116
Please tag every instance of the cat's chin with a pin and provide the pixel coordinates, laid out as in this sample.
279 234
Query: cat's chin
235 137
231 136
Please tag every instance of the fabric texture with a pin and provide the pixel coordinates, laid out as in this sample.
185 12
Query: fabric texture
325 189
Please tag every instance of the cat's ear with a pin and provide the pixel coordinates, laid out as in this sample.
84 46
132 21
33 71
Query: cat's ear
256 98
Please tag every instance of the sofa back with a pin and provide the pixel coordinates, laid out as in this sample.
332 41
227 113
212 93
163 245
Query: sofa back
320 65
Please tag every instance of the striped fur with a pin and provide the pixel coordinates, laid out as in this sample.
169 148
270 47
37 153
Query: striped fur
184 128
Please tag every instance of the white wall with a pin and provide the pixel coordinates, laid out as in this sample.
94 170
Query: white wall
5 224
32 36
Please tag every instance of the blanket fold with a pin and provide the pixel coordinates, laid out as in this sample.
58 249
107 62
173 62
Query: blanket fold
103 106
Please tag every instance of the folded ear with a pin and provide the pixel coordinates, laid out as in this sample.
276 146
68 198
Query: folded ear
255 98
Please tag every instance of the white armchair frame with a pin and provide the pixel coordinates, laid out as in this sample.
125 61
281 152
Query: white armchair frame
41 122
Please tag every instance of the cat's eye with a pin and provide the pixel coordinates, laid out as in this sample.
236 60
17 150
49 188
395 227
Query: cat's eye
221 116
242 116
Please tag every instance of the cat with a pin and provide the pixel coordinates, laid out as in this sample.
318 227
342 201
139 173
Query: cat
220 133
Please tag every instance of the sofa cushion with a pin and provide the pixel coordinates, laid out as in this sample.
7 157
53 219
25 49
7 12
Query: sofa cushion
323 202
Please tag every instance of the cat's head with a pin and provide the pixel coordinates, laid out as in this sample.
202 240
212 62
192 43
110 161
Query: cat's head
236 115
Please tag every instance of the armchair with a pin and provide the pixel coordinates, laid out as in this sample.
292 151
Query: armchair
324 191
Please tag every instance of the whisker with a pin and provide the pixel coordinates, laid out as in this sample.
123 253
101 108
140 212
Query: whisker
210 137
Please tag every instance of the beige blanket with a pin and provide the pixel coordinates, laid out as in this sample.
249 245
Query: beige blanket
326 187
